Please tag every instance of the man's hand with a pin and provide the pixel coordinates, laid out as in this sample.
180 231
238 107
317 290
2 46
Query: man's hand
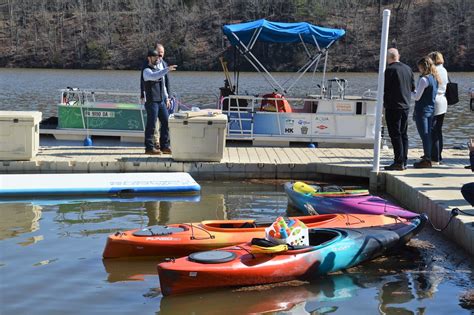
168 103
172 67
142 100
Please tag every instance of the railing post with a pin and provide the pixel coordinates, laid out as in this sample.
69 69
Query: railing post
380 89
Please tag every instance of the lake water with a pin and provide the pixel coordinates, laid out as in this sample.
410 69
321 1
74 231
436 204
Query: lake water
51 263
38 89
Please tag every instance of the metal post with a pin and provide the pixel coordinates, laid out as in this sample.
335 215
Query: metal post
380 89
323 87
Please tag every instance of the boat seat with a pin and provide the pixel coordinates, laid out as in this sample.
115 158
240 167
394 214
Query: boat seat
263 242
263 222
228 225
332 188
247 225
260 222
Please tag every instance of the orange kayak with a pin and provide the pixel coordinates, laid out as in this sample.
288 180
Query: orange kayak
186 238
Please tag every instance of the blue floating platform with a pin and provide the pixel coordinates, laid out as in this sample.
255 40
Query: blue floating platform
97 183
48 200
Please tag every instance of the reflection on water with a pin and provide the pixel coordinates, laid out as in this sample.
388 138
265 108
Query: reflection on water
67 274
262 299
123 269
19 218
158 212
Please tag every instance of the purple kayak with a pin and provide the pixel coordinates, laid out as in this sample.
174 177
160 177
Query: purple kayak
311 199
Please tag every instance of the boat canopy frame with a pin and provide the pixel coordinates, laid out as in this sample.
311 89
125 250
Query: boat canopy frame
243 36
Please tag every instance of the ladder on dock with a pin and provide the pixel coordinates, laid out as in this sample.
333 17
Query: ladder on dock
240 118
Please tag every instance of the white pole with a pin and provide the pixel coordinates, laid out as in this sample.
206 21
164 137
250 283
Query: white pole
380 88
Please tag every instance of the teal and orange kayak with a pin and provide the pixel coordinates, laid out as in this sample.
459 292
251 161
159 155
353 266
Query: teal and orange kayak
329 250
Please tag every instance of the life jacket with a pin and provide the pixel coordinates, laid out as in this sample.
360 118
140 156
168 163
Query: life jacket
276 102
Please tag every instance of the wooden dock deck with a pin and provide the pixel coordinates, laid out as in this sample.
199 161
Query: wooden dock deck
435 191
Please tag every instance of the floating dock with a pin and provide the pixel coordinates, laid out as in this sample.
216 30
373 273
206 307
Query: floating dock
97 184
435 191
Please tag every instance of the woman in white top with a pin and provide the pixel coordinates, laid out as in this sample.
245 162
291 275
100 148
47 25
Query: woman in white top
441 107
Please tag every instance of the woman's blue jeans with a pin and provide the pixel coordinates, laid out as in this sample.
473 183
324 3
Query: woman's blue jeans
424 123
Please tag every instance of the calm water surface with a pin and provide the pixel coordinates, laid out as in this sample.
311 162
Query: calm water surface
51 263
38 89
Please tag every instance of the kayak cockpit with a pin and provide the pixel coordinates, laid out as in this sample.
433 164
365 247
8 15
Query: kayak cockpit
221 225
322 237
318 238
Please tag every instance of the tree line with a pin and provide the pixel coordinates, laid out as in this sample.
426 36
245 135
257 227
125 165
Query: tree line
115 34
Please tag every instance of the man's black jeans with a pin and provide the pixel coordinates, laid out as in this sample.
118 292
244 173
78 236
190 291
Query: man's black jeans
397 125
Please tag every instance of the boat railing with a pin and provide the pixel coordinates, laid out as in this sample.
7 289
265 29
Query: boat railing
299 118
93 98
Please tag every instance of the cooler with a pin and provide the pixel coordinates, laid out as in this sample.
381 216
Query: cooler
200 138
19 135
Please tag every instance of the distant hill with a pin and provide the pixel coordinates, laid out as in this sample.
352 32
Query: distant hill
115 34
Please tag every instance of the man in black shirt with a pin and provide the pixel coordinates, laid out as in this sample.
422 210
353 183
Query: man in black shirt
399 83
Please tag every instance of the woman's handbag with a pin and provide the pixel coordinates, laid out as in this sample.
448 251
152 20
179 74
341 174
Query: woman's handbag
452 93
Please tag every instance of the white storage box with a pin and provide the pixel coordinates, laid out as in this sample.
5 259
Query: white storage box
200 138
19 135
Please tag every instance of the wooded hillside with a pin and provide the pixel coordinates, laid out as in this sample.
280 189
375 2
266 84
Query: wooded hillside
115 34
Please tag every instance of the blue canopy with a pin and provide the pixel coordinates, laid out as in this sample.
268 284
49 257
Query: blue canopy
277 32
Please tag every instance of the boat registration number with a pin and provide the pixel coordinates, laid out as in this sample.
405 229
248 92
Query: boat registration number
102 114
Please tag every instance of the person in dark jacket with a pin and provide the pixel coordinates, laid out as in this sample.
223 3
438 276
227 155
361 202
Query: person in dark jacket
161 52
399 84
157 103
467 190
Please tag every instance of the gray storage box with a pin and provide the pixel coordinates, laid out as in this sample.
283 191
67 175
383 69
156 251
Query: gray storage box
200 138
19 135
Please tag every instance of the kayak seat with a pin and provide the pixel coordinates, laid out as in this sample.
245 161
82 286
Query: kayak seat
263 222
332 188
157 230
227 225
321 236
257 223
247 225
262 242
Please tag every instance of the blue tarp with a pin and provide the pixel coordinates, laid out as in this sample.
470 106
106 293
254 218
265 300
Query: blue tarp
277 32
